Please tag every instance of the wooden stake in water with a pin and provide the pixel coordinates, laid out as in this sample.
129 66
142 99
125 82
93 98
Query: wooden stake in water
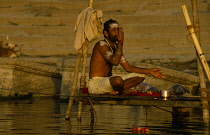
74 87
200 68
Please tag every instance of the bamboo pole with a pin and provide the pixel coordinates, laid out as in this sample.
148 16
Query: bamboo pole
79 113
74 87
196 42
197 32
79 129
91 3
68 126
83 76
83 51
200 69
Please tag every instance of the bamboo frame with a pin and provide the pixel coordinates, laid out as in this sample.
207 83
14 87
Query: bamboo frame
82 52
200 69
197 32
83 77
196 42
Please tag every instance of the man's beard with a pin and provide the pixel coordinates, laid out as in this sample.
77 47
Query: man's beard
113 39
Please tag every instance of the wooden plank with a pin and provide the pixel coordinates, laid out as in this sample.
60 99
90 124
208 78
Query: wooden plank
188 102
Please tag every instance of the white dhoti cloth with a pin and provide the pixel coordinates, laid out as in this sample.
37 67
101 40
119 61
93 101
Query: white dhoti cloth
101 85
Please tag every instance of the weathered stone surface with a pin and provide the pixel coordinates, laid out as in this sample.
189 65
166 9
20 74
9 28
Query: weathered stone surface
23 76
6 80
153 28
65 89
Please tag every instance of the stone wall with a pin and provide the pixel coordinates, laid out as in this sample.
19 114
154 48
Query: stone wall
6 82
20 77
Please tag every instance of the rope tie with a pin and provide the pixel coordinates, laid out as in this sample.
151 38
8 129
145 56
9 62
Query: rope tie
189 27
194 27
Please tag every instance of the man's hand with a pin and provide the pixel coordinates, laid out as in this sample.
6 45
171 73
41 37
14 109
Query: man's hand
120 36
156 72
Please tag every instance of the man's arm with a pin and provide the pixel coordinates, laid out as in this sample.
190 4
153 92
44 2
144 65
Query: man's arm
156 72
108 54
130 68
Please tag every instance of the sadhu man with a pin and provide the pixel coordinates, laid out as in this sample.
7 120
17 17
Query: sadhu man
108 53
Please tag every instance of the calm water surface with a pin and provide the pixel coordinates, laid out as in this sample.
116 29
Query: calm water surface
47 116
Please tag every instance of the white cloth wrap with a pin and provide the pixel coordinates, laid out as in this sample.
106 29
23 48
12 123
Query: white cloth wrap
101 85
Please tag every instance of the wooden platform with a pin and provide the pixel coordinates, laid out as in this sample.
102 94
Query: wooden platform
173 101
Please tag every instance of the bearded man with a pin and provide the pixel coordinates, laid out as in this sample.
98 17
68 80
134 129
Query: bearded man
108 53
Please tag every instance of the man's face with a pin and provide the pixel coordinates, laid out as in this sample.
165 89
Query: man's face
113 32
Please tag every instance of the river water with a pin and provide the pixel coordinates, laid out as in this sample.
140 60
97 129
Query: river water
47 116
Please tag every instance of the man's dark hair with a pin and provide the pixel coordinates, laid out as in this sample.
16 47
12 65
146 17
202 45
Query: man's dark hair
107 24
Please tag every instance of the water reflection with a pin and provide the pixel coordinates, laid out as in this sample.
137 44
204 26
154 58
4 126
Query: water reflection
47 116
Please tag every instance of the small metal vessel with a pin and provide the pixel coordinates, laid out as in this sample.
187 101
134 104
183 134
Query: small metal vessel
165 94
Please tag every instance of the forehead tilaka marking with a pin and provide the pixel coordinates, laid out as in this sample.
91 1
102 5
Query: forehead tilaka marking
114 25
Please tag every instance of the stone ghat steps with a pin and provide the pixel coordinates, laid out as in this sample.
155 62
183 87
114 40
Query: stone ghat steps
153 30
162 42
28 11
45 27
168 51
37 21
45 46
123 6
58 27
123 19
32 31
150 8
65 12
131 41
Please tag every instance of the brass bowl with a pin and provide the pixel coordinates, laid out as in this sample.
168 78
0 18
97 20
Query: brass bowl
165 93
